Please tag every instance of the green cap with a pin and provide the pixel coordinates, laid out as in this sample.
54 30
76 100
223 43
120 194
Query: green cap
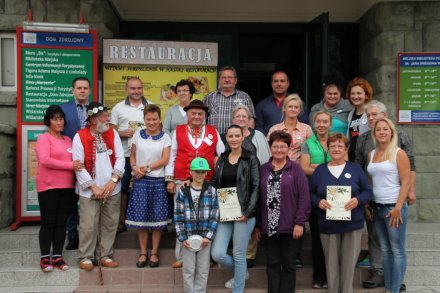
199 164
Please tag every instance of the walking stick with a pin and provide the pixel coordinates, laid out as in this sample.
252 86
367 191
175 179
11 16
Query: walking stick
100 276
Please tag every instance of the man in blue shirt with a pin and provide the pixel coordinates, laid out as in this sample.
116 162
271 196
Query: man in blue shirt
270 110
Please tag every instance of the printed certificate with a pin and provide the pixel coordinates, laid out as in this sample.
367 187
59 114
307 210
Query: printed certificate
229 206
338 196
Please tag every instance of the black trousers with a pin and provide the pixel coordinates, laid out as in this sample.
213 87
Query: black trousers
280 250
55 206
318 258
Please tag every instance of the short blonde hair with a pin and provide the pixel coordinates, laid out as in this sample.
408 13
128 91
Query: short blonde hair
293 97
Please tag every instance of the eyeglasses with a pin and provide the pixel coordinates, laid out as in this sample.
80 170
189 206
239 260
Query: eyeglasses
333 147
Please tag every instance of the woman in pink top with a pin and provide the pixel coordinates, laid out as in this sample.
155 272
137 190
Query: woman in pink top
55 187
300 132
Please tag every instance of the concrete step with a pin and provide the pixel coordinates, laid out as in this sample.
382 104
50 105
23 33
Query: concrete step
129 257
29 276
163 275
423 275
210 289
38 289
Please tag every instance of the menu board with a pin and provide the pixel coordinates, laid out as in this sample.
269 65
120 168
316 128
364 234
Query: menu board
419 88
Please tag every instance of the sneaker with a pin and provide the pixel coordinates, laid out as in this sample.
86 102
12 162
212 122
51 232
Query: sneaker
298 263
46 265
60 264
230 283
365 263
86 265
402 287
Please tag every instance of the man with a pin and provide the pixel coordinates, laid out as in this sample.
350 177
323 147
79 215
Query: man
189 141
377 110
270 110
75 112
222 101
127 117
99 148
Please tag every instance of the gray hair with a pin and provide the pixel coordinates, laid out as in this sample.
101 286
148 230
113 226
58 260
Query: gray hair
376 104
241 107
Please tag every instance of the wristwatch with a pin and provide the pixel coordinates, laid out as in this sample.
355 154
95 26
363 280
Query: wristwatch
148 169
115 180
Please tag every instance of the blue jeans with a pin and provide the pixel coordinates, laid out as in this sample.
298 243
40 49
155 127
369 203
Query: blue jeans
392 245
240 232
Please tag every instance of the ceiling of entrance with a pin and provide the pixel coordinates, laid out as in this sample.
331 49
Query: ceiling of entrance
240 10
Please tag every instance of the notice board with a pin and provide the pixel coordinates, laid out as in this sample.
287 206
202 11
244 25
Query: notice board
418 88
47 62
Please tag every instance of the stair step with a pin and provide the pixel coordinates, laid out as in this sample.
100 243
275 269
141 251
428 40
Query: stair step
38 289
210 289
164 275
33 276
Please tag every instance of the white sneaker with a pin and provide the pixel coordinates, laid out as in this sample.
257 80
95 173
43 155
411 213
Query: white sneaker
230 283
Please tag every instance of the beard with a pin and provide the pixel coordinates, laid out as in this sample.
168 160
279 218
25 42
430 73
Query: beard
102 127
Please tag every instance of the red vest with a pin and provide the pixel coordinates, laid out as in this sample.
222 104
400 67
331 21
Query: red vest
186 151
89 144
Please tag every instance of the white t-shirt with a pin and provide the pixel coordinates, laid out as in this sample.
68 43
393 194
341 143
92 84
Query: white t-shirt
150 150
126 116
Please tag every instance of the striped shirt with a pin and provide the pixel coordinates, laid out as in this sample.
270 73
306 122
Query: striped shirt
220 108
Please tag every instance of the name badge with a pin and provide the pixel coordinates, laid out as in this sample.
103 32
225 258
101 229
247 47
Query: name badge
364 120
69 150
109 152
347 175
208 141
339 111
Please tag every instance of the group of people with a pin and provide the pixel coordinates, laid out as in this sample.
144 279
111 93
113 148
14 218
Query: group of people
282 171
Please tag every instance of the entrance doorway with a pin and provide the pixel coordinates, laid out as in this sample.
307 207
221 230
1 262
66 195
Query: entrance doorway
258 49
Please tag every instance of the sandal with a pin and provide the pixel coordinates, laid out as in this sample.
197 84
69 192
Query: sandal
142 263
154 264
60 264
46 265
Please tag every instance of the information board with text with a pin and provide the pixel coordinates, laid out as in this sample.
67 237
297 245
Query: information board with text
418 88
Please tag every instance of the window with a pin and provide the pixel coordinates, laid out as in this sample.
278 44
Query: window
8 62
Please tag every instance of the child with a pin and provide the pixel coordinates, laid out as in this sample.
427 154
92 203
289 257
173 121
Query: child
196 213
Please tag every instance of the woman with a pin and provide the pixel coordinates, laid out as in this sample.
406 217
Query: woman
148 204
55 187
300 132
313 153
333 103
175 114
238 168
359 92
283 209
389 169
256 143
343 187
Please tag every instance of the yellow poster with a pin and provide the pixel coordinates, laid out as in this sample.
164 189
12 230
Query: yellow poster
160 65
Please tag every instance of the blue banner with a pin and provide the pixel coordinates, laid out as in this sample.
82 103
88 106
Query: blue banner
57 39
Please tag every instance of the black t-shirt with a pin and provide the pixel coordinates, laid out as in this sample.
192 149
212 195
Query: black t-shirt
229 175
353 130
